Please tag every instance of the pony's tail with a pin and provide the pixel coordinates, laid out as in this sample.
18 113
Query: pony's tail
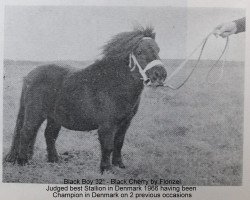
13 154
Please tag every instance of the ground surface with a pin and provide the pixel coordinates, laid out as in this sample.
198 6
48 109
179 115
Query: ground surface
194 134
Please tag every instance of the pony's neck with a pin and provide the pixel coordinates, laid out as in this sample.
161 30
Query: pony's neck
120 68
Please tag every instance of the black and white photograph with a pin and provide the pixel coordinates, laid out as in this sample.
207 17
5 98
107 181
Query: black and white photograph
123 95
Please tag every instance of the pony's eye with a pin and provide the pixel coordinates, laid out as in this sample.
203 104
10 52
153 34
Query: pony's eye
139 52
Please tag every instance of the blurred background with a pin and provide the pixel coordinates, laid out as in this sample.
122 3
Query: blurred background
48 33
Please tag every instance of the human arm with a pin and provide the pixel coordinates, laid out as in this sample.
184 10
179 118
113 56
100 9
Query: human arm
229 28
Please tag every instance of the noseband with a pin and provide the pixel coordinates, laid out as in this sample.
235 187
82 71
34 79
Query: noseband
142 71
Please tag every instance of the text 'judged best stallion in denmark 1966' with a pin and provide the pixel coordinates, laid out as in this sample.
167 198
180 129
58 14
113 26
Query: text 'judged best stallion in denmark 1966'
103 96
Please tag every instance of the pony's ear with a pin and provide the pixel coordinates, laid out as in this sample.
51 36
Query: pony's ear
153 36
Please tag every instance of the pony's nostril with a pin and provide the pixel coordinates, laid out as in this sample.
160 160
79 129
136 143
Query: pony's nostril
146 82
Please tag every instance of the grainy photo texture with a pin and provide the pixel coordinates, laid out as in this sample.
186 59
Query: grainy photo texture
85 94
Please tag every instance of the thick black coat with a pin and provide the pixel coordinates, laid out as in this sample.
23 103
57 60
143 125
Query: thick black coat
103 96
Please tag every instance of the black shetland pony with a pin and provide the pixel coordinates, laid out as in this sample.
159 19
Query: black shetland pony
103 96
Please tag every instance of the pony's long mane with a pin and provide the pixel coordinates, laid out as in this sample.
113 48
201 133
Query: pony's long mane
122 44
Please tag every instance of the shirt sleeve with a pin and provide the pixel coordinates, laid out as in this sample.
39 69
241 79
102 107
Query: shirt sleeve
240 24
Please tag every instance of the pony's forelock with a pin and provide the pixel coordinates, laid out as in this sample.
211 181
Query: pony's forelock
122 44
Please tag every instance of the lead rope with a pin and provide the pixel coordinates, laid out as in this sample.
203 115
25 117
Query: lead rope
225 50
202 45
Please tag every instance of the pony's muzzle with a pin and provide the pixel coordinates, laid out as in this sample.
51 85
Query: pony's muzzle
156 75
147 82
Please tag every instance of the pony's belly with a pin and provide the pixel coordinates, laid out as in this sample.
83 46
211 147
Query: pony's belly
81 126
74 120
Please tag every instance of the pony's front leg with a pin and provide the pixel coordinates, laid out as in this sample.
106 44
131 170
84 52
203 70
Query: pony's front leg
118 143
106 134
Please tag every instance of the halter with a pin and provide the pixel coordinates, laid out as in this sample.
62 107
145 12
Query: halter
146 80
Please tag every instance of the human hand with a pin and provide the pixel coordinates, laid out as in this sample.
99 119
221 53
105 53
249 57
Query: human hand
225 29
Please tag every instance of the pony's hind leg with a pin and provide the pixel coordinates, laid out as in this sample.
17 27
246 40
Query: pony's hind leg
51 133
32 122
31 147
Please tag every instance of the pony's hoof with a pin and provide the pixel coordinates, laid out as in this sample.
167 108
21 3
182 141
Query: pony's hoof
22 161
10 157
53 159
105 169
119 164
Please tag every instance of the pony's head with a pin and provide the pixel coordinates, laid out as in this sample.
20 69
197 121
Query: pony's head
141 52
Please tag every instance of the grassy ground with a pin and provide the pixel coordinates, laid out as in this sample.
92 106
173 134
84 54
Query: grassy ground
195 134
